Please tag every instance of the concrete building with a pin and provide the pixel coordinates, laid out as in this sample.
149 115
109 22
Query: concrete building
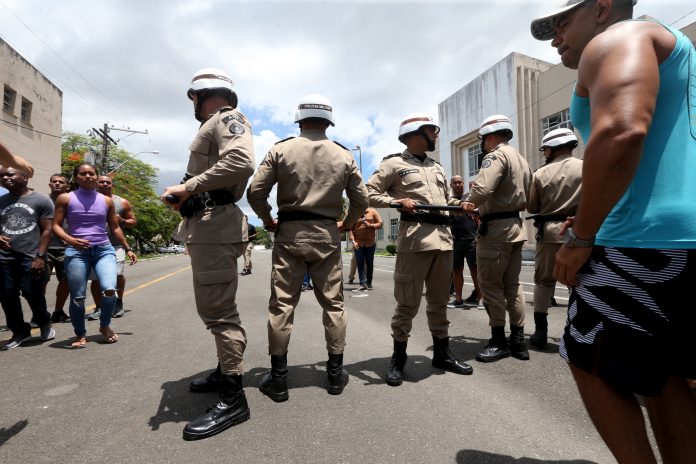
32 115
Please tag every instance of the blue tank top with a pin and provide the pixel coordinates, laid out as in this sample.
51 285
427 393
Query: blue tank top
658 210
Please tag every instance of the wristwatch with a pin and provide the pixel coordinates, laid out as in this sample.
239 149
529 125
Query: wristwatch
573 241
40 255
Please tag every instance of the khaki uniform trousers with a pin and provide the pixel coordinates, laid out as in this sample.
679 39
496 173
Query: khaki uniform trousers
247 255
499 266
214 269
432 268
290 263
544 283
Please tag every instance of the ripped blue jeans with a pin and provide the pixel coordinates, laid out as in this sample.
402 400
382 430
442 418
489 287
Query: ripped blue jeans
78 264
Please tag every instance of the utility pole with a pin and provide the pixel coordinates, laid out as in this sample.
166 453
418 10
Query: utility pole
102 162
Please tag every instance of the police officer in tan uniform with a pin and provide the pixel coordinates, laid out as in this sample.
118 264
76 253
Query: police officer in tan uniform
424 242
500 192
214 229
312 172
554 195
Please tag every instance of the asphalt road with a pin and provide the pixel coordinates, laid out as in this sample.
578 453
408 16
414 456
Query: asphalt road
128 402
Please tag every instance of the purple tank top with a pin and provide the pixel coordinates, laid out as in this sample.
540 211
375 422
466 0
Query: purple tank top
87 216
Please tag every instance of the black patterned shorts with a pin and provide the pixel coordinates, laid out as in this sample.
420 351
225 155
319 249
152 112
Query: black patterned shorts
632 317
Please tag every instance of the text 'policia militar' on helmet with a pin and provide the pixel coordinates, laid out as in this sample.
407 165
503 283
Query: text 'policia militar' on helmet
207 82
314 106
559 138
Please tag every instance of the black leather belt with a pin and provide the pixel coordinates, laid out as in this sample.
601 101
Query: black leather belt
205 200
541 219
286 216
428 218
486 218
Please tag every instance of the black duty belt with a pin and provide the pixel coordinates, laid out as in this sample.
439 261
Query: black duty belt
287 216
486 218
428 218
205 200
541 219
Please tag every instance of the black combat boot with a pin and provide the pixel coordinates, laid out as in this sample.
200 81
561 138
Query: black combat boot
230 410
395 375
338 376
211 383
275 383
518 348
497 347
444 359
541 328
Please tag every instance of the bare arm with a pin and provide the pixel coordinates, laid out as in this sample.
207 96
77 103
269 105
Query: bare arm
128 218
58 218
622 80
14 161
112 220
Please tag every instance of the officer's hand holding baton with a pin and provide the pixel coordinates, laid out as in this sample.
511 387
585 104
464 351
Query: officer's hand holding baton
405 204
271 226
175 195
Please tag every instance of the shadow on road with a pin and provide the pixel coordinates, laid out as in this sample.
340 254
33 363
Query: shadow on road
6 434
371 371
302 376
179 404
482 457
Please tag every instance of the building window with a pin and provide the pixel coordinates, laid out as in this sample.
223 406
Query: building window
8 100
473 154
26 111
393 229
559 120
380 234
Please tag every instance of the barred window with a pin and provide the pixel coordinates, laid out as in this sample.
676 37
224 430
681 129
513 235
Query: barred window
8 99
560 120
25 116
473 153
380 234
393 229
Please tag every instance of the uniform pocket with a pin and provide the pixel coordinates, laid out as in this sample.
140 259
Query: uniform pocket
488 264
404 290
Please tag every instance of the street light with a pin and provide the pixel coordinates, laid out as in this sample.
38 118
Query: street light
154 152
357 147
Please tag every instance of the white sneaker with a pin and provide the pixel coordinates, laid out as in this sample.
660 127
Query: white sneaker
15 342
480 305
47 333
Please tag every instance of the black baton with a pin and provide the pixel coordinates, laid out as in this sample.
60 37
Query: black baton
430 207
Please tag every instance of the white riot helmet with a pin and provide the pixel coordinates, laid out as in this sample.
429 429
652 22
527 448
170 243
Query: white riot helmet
314 106
211 81
559 137
495 123
413 123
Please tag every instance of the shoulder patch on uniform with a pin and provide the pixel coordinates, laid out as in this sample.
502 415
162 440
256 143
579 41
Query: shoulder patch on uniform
404 172
490 157
235 117
236 128
391 156
284 140
486 163
340 145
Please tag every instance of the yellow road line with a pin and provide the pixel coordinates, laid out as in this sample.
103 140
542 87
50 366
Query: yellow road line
146 284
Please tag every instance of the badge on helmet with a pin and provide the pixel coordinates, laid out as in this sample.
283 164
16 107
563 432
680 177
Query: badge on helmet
314 106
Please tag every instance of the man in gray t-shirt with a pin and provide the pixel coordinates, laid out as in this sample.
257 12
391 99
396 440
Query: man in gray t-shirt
25 231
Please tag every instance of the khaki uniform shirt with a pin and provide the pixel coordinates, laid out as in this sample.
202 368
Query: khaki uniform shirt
222 157
312 172
502 185
556 190
403 176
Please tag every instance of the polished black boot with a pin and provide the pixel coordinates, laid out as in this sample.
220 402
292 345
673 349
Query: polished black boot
211 383
444 359
337 375
395 375
275 383
541 323
518 348
497 347
230 410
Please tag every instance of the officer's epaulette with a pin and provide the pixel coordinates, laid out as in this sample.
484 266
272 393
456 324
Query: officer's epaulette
340 145
391 156
281 141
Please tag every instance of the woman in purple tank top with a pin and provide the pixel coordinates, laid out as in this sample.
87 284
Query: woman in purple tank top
87 213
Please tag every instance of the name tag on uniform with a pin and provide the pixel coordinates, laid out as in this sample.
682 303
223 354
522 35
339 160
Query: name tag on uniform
404 172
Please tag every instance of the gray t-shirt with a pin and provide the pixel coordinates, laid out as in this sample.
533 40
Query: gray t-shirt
19 220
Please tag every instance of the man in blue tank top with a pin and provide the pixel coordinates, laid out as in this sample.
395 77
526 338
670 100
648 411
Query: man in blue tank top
631 249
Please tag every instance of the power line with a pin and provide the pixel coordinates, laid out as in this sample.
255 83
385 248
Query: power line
677 20
30 129
63 60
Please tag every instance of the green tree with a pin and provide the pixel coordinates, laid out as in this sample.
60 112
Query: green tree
134 180
263 237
